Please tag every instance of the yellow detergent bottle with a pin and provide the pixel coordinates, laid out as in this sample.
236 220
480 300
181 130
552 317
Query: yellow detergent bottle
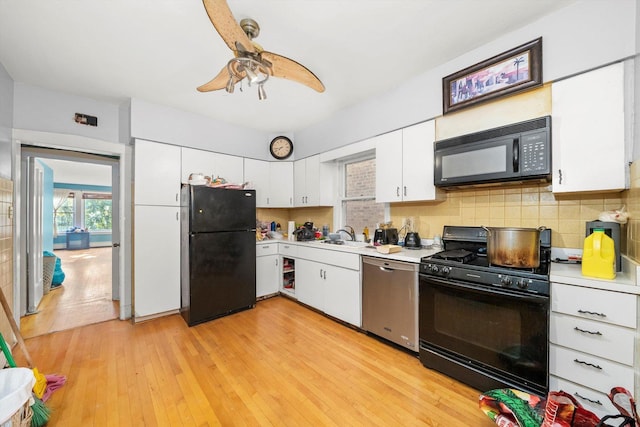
598 256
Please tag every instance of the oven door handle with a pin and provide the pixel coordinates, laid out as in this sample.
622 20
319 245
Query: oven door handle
535 298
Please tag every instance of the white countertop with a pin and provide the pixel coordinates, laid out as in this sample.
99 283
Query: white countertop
625 280
407 255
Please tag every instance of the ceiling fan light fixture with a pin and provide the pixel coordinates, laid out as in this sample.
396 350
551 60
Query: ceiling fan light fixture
261 93
251 75
230 85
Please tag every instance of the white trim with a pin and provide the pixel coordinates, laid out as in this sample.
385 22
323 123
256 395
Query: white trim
92 146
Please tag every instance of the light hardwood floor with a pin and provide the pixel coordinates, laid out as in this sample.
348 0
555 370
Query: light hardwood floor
83 298
278 364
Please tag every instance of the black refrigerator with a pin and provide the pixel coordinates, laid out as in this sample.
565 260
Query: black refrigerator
218 251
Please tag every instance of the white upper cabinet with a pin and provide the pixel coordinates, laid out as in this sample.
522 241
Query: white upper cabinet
256 173
273 182
281 184
212 164
156 174
588 139
404 164
313 182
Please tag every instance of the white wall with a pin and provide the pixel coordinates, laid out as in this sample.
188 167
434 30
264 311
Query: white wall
577 38
6 122
165 124
44 110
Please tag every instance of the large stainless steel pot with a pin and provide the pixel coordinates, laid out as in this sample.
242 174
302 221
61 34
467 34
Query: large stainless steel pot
514 247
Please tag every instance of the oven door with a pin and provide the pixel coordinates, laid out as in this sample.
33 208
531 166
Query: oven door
484 336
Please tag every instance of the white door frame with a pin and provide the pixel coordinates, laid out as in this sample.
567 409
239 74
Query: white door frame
82 145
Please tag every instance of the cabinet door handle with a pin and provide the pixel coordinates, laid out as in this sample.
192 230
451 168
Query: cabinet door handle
267 200
587 332
325 275
321 273
597 402
398 191
176 197
591 312
276 262
582 362
177 216
405 191
560 176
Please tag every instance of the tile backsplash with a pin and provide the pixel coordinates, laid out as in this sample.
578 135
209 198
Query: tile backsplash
517 206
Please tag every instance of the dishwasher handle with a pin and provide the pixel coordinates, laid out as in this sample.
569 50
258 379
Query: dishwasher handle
389 266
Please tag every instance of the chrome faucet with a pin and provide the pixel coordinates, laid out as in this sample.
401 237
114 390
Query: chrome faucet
351 233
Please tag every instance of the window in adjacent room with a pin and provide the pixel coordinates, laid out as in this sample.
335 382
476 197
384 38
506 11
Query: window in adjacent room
359 207
64 213
97 212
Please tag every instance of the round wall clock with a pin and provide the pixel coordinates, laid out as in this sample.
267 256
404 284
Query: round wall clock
281 147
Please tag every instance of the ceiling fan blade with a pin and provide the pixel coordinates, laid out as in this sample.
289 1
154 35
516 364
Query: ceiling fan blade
218 82
289 69
226 25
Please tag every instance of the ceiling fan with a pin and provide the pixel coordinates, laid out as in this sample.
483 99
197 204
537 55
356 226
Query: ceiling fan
250 61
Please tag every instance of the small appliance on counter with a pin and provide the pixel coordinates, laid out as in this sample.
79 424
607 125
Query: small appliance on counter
611 229
385 235
306 232
412 240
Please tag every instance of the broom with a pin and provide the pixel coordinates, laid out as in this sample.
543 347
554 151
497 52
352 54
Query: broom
40 410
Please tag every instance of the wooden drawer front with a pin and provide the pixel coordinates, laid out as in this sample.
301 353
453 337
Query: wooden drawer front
602 376
331 257
592 400
596 304
267 249
601 339
288 249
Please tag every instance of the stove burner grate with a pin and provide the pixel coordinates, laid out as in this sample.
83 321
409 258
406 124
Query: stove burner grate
459 255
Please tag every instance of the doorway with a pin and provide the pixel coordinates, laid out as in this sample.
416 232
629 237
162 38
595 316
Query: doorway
73 214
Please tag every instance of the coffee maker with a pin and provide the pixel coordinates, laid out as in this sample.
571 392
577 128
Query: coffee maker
611 229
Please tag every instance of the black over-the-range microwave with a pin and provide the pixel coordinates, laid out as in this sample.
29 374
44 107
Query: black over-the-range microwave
517 152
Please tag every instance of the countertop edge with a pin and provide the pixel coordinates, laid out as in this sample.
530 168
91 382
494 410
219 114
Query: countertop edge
406 255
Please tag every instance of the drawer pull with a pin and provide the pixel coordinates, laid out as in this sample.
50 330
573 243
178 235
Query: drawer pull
592 312
596 402
587 332
588 364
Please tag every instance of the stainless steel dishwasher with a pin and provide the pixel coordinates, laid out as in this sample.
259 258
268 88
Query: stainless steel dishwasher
390 300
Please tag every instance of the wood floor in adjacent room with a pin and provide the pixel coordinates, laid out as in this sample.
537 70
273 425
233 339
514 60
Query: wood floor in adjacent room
83 298
275 365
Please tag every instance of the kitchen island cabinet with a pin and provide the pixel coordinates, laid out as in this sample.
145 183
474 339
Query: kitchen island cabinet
593 338
404 164
588 132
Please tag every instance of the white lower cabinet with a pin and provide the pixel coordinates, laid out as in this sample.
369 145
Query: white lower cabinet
594 340
332 289
267 269
157 260
310 283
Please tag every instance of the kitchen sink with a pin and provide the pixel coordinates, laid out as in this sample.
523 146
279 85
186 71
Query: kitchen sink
350 243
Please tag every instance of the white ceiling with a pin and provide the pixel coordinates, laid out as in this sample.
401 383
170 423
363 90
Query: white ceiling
161 50
77 172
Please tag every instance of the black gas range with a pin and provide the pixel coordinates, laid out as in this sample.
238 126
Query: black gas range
464 258
485 325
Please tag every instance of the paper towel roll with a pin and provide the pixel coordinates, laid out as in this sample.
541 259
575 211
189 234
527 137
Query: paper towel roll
291 227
